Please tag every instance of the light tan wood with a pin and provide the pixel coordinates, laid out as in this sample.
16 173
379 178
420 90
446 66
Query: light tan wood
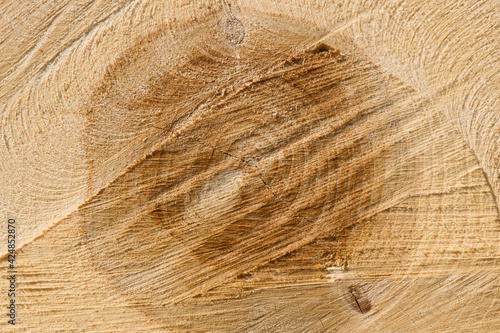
252 166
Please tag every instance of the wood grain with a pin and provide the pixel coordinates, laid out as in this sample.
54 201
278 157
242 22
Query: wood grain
252 166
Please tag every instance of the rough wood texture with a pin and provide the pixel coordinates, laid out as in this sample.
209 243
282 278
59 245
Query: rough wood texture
252 166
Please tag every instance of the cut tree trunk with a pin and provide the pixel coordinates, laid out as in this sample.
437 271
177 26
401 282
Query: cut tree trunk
251 166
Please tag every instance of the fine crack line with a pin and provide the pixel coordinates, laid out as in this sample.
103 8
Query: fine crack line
356 299
267 186
413 321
